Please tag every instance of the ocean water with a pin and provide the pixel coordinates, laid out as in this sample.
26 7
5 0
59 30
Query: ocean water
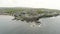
48 26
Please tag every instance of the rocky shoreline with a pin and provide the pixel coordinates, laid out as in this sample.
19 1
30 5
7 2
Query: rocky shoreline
29 14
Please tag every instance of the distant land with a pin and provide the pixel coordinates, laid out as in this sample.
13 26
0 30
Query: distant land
29 14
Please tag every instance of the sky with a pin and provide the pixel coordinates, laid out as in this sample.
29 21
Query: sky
52 4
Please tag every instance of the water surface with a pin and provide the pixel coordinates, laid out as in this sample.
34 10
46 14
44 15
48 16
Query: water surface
48 26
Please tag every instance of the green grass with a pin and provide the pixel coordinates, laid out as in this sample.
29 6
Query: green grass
14 10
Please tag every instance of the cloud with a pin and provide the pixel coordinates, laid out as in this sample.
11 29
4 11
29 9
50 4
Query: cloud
54 4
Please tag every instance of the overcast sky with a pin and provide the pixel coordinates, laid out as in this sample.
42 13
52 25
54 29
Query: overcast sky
52 4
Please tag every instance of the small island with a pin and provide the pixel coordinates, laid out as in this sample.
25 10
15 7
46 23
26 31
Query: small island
29 14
